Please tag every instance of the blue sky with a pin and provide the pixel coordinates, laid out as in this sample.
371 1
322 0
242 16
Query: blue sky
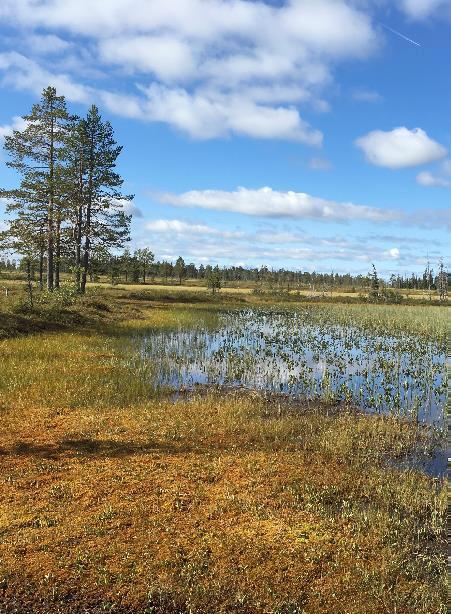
309 134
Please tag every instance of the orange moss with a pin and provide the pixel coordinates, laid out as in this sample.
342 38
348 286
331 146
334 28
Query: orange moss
214 504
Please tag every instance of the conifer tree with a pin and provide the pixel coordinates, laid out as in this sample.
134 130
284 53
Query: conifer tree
375 284
145 259
35 153
180 269
442 282
103 220
74 183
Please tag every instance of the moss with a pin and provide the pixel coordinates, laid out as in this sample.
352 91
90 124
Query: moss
114 499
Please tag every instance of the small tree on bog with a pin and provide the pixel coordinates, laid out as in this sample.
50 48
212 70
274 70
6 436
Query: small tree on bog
214 282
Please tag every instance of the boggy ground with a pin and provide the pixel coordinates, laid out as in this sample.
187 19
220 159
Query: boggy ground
113 499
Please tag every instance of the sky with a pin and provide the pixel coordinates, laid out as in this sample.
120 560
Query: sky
306 134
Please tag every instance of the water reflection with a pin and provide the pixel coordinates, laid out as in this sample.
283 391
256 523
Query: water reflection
292 353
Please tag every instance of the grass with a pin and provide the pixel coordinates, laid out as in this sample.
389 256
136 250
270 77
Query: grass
238 290
115 499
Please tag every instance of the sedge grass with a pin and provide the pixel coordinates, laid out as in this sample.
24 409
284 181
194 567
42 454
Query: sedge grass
113 498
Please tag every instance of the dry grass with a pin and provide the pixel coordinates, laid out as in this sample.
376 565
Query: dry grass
112 500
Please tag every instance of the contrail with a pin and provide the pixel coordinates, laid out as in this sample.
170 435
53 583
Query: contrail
401 35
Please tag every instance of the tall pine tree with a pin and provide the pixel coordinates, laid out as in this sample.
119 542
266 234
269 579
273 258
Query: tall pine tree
35 154
98 215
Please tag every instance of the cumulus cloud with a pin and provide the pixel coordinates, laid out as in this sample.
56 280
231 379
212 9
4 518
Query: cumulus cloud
431 218
210 68
131 209
203 243
210 115
21 72
128 207
429 180
47 44
328 26
420 9
204 115
441 178
167 57
266 202
180 227
394 253
17 123
400 148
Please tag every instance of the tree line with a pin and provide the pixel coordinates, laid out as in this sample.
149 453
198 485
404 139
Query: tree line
140 266
69 202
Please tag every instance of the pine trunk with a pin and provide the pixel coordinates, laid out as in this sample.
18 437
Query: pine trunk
78 250
50 249
50 229
79 224
29 283
41 266
57 254
87 247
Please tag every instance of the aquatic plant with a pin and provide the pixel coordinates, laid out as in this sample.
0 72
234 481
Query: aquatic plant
370 356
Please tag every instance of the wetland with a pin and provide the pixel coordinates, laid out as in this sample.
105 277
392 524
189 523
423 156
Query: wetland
163 457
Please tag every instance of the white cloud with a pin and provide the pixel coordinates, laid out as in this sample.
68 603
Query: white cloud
22 73
46 44
431 218
266 202
128 207
429 180
180 227
203 116
207 115
206 244
365 95
211 68
18 123
420 9
400 148
131 209
333 27
394 253
440 179
320 164
166 57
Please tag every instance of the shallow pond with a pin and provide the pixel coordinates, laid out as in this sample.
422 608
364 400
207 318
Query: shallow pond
294 353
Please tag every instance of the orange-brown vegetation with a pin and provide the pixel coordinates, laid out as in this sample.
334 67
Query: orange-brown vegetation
112 499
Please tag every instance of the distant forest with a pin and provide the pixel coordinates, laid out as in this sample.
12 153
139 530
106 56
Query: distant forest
140 267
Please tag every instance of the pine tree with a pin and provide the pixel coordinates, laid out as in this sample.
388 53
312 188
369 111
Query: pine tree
35 154
214 281
145 259
98 216
180 269
75 171
442 282
126 263
374 284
